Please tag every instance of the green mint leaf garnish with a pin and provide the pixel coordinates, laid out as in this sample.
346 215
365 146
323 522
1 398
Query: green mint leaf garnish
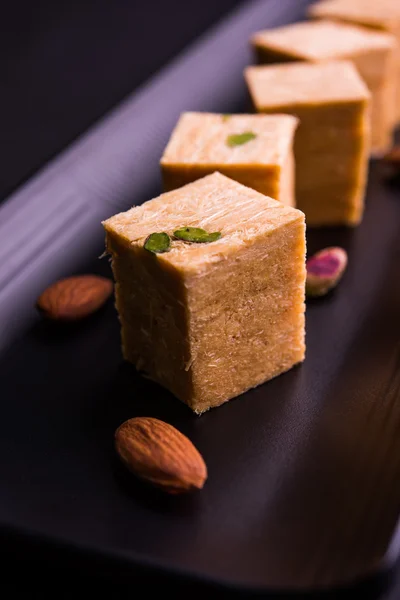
226 117
157 243
196 234
237 139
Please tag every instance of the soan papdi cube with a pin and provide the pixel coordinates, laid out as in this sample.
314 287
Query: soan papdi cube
256 150
373 53
332 141
210 320
383 15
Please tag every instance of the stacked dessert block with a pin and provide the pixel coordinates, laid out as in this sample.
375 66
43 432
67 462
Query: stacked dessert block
332 142
380 15
210 320
256 150
210 275
372 52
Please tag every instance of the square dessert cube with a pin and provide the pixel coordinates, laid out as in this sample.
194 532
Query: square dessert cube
210 320
332 141
372 52
383 15
256 150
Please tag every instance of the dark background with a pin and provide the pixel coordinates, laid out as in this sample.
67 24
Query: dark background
63 65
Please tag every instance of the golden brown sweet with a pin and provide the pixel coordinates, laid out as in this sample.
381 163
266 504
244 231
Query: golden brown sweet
256 150
210 320
383 15
332 142
372 52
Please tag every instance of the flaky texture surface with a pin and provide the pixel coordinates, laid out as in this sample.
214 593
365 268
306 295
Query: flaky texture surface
255 331
305 83
372 52
333 141
200 138
368 12
198 146
209 321
215 203
321 40
382 15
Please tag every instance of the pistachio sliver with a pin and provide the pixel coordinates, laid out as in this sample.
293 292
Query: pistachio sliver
324 271
238 139
196 235
157 243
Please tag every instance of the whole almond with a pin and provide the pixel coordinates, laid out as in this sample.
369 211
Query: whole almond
160 454
74 298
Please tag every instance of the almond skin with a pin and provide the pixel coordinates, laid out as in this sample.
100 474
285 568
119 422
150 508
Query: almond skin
161 455
74 298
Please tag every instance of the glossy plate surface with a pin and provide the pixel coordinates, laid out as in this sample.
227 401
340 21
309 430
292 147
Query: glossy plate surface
304 472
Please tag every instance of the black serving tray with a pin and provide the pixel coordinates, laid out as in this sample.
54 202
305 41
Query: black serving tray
304 471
